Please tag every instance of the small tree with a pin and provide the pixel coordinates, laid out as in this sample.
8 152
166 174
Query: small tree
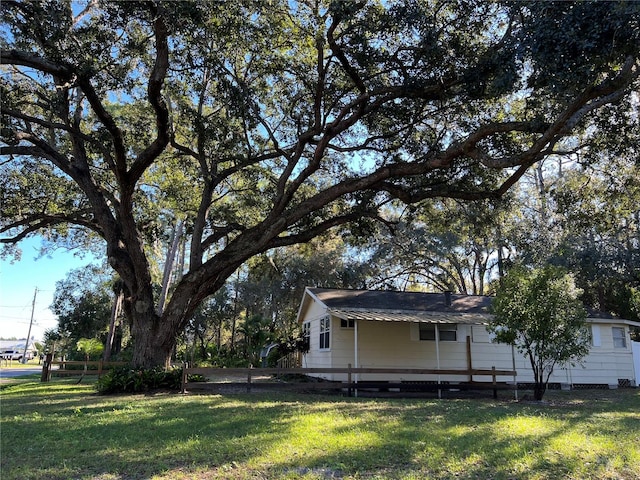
538 311
89 347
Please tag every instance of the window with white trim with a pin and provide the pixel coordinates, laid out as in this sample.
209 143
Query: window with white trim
619 337
325 333
447 332
306 333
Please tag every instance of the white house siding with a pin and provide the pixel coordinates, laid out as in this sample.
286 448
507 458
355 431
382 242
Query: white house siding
315 357
604 364
635 349
390 345
486 354
394 345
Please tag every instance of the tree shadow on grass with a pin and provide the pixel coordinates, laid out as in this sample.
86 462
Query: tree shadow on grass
470 439
138 437
88 436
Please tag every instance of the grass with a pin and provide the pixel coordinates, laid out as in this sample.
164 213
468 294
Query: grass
62 430
17 364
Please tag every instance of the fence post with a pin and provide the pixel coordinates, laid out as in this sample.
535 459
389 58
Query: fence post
100 365
469 362
249 379
349 390
46 368
183 381
493 378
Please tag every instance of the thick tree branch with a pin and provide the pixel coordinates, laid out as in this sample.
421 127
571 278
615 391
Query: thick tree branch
39 148
32 60
219 233
322 227
36 223
154 94
108 121
340 55
74 131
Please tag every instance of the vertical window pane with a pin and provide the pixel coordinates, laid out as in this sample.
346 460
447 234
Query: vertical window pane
325 331
619 337
306 334
427 331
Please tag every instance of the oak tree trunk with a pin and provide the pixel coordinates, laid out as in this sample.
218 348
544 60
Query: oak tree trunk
154 341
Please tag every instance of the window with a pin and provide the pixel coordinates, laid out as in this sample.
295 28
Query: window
596 341
347 323
325 331
306 333
446 332
619 337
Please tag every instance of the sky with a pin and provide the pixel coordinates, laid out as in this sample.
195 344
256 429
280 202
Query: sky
18 283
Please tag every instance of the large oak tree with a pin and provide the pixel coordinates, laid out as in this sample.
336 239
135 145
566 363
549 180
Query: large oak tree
257 124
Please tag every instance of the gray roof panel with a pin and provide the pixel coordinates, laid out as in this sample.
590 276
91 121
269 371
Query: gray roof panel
379 300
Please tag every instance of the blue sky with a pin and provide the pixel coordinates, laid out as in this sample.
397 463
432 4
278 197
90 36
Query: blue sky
18 282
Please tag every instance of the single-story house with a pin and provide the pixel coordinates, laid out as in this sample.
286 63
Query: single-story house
389 329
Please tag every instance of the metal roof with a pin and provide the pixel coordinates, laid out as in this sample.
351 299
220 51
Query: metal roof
393 306
410 316
388 300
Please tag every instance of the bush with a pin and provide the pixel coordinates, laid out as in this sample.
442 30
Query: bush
128 380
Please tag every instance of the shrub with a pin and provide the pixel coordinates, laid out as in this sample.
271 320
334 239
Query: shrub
128 380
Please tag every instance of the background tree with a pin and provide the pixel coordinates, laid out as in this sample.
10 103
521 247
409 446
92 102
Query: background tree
262 125
540 313
275 281
89 347
210 330
40 350
580 211
83 303
443 245
269 289
600 217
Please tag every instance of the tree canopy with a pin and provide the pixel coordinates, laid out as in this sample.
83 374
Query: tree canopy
256 125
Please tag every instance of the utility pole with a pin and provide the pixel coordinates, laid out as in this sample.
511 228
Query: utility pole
26 344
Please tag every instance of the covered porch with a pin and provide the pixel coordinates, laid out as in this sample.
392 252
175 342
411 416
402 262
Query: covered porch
436 342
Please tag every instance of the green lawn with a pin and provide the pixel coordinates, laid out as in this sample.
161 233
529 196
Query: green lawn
65 431
17 364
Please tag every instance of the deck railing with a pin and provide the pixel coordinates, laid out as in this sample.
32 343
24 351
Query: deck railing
354 380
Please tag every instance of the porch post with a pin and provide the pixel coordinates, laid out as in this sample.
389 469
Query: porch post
355 347
437 330
355 352
513 365
469 362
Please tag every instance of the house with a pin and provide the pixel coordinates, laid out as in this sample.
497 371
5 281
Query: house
389 329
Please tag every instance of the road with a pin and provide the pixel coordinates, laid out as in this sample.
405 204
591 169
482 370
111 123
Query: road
8 372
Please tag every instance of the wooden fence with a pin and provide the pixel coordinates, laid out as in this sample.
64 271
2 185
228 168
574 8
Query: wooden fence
246 379
93 368
234 377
